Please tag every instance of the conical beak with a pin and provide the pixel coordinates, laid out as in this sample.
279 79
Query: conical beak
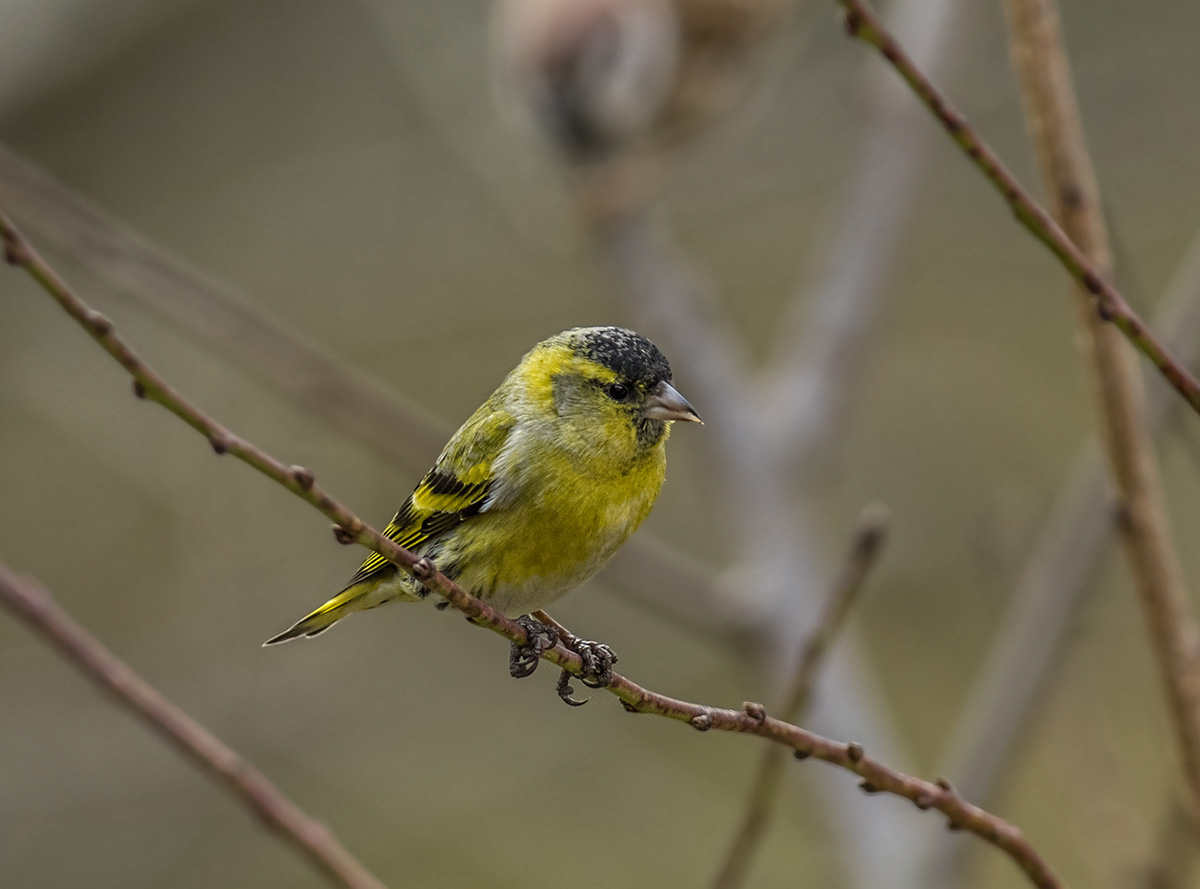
664 403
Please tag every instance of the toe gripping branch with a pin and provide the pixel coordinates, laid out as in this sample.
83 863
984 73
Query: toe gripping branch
598 658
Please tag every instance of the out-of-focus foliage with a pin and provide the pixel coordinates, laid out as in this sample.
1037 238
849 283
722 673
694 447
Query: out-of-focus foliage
345 165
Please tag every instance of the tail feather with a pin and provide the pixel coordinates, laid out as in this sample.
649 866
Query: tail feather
359 596
317 622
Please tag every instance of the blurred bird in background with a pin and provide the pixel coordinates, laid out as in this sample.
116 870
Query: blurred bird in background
618 84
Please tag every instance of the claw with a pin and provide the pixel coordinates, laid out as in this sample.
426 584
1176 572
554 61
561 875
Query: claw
544 632
523 659
565 690
598 660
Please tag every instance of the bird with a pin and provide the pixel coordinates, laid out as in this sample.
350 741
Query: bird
537 489
618 84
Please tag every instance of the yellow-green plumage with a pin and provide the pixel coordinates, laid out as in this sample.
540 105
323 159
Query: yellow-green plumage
540 486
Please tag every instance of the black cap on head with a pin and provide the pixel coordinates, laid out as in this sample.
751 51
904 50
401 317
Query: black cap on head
630 354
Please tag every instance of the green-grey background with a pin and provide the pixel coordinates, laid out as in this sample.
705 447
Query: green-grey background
345 166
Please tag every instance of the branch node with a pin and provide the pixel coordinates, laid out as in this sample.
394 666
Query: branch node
342 536
867 787
801 754
629 708
14 253
139 389
99 325
924 801
757 712
855 752
945 785
220 444
304 477
953 826
702 722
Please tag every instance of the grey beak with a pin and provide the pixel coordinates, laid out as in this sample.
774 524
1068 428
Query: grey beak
664 403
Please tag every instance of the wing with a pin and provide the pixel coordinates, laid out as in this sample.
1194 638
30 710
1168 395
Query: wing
457 488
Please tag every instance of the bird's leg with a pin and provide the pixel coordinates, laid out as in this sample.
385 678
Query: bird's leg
598 659
523 659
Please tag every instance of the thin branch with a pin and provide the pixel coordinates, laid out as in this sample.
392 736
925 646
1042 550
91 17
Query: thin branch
1053 114
1110 305
764 789
752 719
38 610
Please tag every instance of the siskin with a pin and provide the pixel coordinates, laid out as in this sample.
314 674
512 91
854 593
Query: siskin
538 488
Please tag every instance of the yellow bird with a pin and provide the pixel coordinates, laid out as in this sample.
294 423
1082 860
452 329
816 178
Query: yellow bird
534 493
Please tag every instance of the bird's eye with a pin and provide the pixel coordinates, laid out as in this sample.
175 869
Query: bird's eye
617 391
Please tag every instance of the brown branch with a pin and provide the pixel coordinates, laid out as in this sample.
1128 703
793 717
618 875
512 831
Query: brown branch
1054 120
764 789
752 719
1109 304
38 610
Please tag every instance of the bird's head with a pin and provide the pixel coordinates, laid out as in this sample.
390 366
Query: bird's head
604 388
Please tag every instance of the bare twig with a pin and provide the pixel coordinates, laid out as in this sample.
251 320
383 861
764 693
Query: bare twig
877 778
38 610
1053 113
764 789
1110 305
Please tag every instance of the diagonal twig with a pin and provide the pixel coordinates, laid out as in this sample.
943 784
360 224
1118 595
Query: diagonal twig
1110 304
752 719
37 609
765 787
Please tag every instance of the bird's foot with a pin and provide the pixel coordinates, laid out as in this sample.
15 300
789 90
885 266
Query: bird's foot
598 660
523 659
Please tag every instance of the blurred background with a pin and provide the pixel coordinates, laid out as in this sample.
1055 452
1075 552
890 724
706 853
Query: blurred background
356 174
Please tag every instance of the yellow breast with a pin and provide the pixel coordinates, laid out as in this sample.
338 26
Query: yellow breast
570 516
